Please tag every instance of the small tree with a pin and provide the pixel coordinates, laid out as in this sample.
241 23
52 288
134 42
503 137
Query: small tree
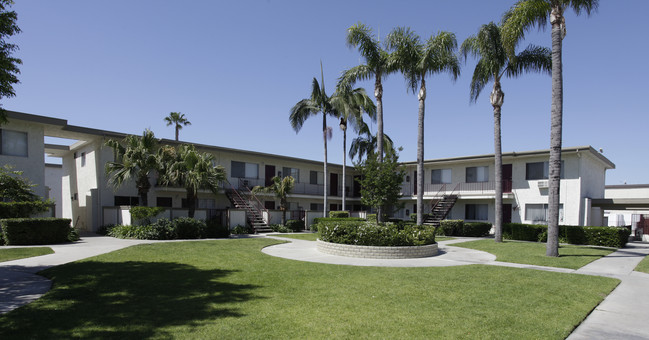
8 64
381 182
281 187
15 188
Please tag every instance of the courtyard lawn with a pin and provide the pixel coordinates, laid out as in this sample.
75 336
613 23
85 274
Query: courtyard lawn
229 289
643 266
10 254
570 256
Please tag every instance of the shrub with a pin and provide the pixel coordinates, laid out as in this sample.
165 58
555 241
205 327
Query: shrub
278 228
295 225
413 217
239 230
188 228
596 236
371 217
339 214
28 231
317 220
22 209
476 229
104 229
372 234
214 229
452 227
524 232
143 215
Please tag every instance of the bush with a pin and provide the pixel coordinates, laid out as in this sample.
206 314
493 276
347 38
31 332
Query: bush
596 236
524 232
143 215
372 234
371 217
240 230
104 229
452 227
314 226
28 231
22 209
188 228
413 217
278 228
214 229
295 225
476 229
339 214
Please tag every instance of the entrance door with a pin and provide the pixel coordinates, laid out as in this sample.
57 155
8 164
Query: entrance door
270 173
507 178
333 184
414 182
507 213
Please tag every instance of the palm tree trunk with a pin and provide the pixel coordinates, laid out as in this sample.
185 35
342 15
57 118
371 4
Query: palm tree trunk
324 136
284 215
344 166
177 130
191 203
497 97
420 152
143 186
378 93
552 247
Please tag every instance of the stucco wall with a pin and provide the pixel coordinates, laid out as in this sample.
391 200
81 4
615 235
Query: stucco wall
53 181
32 166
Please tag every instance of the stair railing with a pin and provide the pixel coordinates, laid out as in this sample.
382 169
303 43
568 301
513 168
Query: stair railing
260 207
248 207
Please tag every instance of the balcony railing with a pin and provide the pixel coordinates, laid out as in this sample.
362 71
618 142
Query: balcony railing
476 188
298 188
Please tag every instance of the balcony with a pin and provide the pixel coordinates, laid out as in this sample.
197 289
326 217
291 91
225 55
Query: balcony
460 189
298 188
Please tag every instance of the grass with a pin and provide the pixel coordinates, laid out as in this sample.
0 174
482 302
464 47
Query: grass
10 254
570 256
229 289
643 266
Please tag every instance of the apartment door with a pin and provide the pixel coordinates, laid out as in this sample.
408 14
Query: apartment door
507 179
507 213
333 184
270 173
414 182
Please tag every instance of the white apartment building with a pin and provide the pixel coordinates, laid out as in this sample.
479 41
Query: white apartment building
86 198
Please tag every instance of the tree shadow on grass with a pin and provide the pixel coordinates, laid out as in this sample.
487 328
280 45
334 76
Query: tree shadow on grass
126 300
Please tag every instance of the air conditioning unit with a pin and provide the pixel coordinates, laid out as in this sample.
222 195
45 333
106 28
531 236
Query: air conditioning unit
542 184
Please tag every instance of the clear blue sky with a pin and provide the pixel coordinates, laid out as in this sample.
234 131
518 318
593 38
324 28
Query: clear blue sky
235 68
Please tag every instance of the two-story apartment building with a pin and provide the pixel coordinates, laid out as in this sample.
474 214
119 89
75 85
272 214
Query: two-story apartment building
90 202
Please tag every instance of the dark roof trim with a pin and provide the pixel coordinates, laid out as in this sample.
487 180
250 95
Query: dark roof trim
627 186
35 118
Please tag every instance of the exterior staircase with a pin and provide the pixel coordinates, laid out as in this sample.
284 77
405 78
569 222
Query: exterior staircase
241 199
440 210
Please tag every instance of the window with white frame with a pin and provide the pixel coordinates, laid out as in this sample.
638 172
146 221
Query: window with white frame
441 176
539 170
316 177
13 143
293 172
476 212
244 170
539 212
477 174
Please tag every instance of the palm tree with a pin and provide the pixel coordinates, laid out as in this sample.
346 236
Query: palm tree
365 143
349 105
194 170
319 102
492 65
178 120
521 17
135 159
281 187
416 61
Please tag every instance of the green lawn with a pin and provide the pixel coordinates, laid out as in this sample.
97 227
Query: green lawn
570 256
229 289
643 266
21 253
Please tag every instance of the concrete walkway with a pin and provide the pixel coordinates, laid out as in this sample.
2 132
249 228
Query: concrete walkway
622 315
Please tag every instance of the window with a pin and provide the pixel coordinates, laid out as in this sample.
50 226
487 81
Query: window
539 212
317 207
83 159
13 143
540 170
476 212
441 176
126 200
206 203
163 202
316 177
477 174
244 170
269 205
293 172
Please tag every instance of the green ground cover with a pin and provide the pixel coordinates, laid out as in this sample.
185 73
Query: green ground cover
314 236
643 266
570 256
9 254
230 289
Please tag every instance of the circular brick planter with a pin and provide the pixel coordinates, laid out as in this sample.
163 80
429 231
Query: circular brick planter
371 252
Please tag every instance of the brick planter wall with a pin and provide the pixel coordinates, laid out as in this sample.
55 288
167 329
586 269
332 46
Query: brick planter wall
371 252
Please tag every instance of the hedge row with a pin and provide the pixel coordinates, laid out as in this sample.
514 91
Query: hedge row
291 226
318 220
371 234
22 209
597 236
28 231
165 229
460 228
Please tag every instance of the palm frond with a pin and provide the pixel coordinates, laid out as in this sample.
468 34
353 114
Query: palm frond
406 53
439 56
481 76
355 74
361 36
532 59
520 18
588 6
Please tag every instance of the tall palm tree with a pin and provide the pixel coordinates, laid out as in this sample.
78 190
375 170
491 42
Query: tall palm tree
281 187
521 17
178 120
416 61
318 103
492 65
365 143
349 105
135 159
194 170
